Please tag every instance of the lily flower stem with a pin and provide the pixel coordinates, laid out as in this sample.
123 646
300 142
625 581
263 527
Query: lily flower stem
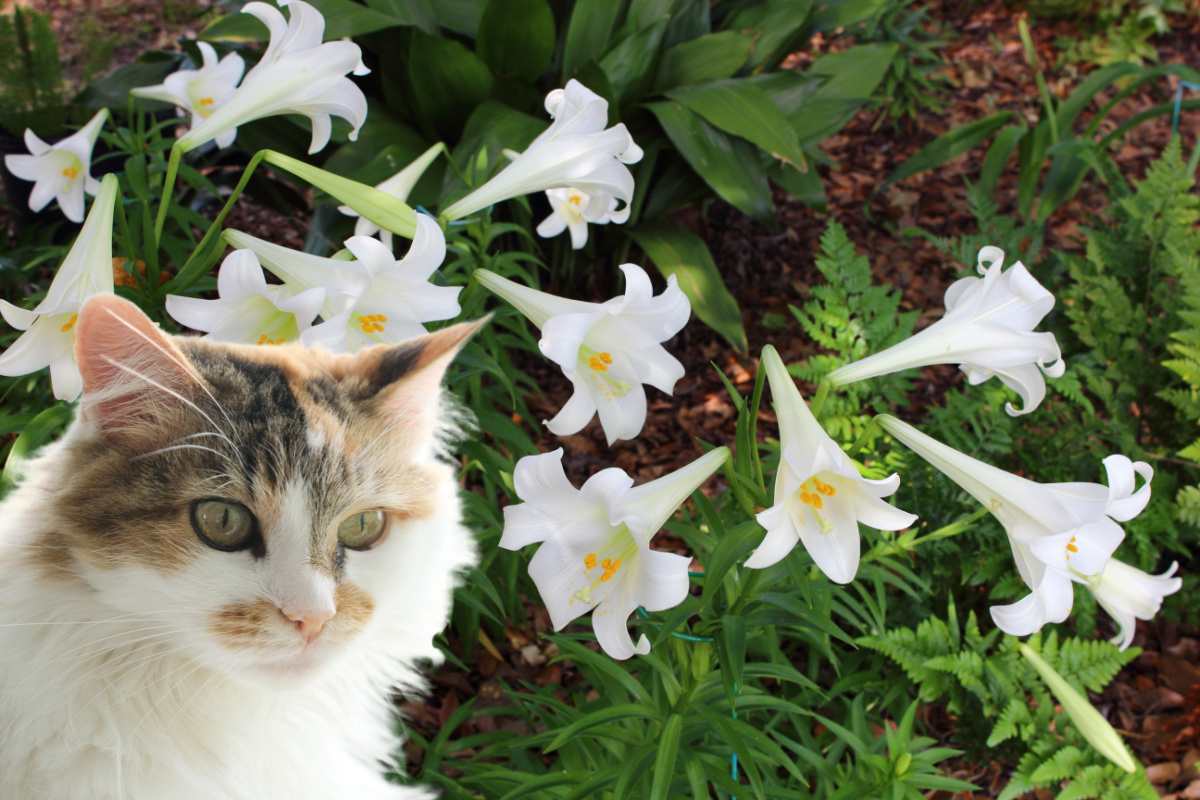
948 531
168 190
185 277
818 403
749 587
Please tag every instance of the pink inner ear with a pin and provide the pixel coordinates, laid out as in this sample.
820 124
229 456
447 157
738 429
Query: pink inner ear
130 367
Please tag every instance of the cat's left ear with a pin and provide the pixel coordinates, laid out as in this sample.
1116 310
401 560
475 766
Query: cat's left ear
132 371
405 379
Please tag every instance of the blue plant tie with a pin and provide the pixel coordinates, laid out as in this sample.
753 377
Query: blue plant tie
1179 102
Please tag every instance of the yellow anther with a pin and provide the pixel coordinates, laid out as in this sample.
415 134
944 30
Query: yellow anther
205 101
589 561
600 361
71 173
610 569
575 199
264 339
824 488
70 323
1072 547
372 323
810 499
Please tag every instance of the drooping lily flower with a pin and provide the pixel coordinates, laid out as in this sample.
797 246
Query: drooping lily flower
298 74
575 151
49 338
202 91
60 171
1128 594
398 186
820 497
248 309
397 296
595 551
572 210
1059 532
988 329
607 350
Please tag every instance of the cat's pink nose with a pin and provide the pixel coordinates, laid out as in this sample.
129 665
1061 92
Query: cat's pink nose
310 624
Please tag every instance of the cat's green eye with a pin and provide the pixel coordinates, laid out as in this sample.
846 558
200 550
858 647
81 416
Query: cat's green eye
363 530
224 524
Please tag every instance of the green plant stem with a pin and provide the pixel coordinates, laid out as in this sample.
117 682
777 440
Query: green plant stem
959 526
205 240
818 403
168 190
747 593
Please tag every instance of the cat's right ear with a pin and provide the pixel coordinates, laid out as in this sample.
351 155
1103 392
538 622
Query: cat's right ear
133 373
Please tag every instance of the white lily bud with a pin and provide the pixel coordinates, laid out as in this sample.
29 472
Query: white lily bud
398 186
987 330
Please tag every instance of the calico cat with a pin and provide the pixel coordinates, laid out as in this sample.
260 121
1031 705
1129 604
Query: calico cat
212 584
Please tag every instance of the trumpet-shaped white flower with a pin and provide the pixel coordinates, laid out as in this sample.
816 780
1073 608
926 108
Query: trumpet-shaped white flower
1059 532
572 210
202 91
397 296
298 74
607 350
61 171
371 300
248 309
49 338
1128 594
820 497
988 330
575 151
398 186
595 551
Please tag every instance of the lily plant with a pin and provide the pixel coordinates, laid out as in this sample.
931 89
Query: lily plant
49 337
1060 534
820 496
369 299
607 350
572 209
595 550
200 92
248 310
576 151
988 330
60 171
398 186
297 74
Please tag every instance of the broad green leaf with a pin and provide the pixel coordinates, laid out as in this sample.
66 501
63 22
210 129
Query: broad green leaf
730 166
382 133
447 81
804 186
951 144
516 37
707 58
664 759
39 431
831 14
342 18
460 16
846 81
492 128
679 252
629 64
1071 163
773 25
588 33
417 13
740 108
112 91
855 71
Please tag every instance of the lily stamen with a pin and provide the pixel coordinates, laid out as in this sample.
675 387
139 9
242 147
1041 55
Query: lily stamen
70 323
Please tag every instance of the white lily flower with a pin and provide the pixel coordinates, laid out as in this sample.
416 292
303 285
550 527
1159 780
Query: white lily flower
1059 532
572 209
595 551
575 151
248 309
607 350
200 92
60 171
298 74
49 338
988 330
1128 594
397 296
341 280
820 497
398 186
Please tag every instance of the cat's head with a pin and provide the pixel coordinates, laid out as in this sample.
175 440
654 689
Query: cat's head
269 508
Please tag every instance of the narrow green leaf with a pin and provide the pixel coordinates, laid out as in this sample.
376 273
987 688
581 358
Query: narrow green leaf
679 252
950 144
664 760
447 81
588 33
516 37
629 65
997 156
39 431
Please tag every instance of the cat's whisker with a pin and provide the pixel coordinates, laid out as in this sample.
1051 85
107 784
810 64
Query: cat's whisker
131 371
175 447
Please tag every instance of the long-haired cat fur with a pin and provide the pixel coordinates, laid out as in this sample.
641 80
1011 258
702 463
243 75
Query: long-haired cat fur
142 660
